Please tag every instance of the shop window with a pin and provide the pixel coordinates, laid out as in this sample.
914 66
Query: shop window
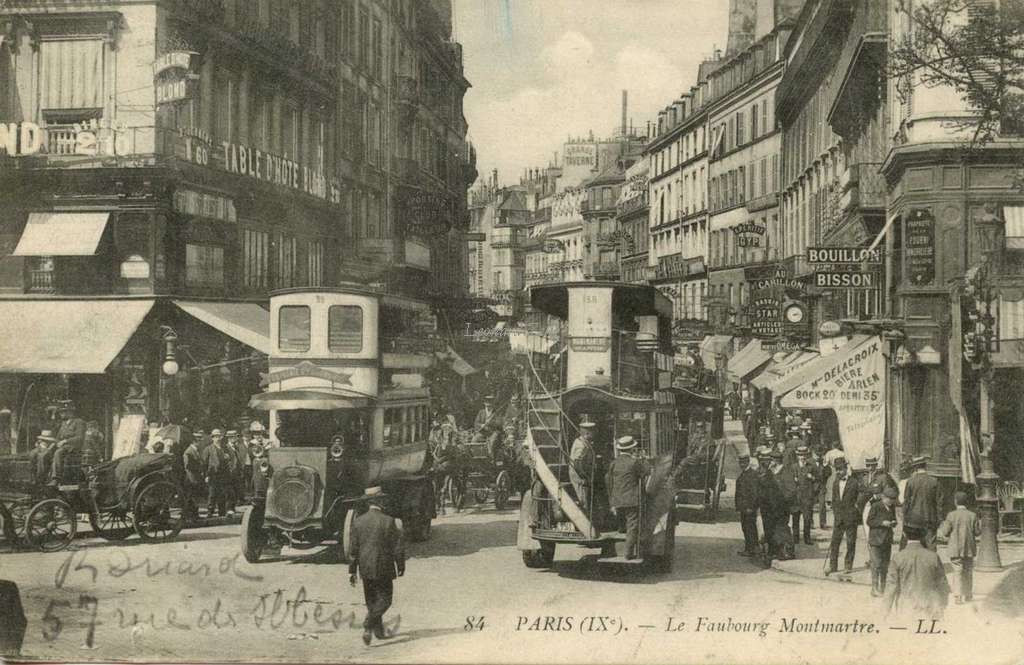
345 328
204 266
255 258
293 329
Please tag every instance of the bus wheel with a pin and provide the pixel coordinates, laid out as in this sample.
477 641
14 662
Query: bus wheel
345 537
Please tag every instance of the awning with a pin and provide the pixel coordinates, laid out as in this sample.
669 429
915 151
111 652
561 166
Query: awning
776 371
247 322
714 345
810 370
62 234
455 361
746 361
66 336
881 234
314 400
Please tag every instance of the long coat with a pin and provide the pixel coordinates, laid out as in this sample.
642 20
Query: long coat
962 528
808 482
921 502
378 550
917 585
748 491
623 481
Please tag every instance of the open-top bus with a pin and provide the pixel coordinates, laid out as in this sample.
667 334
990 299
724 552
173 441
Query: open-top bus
613 366
348 410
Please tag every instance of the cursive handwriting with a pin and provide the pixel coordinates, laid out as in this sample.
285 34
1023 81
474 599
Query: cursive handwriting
123 564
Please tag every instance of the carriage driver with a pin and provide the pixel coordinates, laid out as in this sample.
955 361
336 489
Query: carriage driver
70 438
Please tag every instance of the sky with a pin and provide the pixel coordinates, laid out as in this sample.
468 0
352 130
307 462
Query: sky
543 70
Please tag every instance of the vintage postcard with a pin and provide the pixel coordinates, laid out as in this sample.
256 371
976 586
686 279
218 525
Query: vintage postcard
512 331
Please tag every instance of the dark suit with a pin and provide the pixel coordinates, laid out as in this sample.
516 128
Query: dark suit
848 509
623 483
880 542
378 555
808 478
922 506
774 515
72 433
747 499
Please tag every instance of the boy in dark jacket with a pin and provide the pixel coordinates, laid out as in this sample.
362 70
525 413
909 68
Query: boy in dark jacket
881 520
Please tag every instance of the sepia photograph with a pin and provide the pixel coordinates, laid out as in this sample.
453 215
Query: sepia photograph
512 331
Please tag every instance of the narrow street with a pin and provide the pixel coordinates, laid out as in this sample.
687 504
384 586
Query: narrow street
466 597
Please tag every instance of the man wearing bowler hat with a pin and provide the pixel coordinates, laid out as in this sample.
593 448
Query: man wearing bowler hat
378 556
847 509
808 480
877 476
922 506
623 483
583 463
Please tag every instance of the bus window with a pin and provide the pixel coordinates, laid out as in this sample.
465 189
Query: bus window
345 328
293 328
388 427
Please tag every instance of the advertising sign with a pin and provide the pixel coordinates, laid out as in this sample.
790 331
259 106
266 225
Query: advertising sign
749 234
847 255
919 247
582 154
172 76
851 382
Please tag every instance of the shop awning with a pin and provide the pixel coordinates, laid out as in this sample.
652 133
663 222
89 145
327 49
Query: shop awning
314 400
746 361
456 362
246 322
62 234
810 370
66 336
776 371
714 345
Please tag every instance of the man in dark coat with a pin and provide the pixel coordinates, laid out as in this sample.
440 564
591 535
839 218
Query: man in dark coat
808 480
218 465
917 587
378 556
623 483
747 501
781 504
877 476
922 504
847 509
70 439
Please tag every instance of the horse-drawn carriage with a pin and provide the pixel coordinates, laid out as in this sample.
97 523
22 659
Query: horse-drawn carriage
486 468
139 493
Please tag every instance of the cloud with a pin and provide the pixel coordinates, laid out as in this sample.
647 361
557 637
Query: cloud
565 58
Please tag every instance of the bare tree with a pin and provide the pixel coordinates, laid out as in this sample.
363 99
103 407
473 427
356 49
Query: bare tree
975 47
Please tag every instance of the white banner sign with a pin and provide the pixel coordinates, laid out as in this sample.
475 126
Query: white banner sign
851 383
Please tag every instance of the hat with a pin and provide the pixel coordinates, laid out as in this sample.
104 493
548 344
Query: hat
625 443
803 451
871 461
373 493
806 424
763 451
257 426
839 462
919 460
891 492
587 425
488 398
231 432
337 437
46 435
198 434
66 405
216 432
770 435
776 454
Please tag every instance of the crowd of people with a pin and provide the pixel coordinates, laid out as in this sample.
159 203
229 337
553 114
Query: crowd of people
791 475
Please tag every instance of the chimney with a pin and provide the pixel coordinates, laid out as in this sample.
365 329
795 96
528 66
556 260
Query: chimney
742 25
494 178
625 106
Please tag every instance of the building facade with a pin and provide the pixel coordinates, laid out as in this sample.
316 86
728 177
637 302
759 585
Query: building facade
178 160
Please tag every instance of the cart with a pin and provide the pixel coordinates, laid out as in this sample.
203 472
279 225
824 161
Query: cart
139 493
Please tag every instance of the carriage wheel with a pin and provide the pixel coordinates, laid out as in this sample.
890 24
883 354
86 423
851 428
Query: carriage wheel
454 493
111 524
502 490
158 512
51 525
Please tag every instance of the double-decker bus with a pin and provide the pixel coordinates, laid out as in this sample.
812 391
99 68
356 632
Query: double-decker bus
348 410
613 365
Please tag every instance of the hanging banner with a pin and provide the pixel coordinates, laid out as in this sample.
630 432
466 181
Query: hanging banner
850 382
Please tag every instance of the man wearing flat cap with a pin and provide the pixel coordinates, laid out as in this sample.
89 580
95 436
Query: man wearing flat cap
378 556
583 464
922 503
881 522
624 496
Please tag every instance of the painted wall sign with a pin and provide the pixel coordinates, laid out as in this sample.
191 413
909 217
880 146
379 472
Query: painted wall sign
580 155
749 234
590 344
919 247
765 312
826 279
832 255
201 204
89 139
851 382
172 60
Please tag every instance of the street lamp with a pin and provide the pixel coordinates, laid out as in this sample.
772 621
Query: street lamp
170 338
